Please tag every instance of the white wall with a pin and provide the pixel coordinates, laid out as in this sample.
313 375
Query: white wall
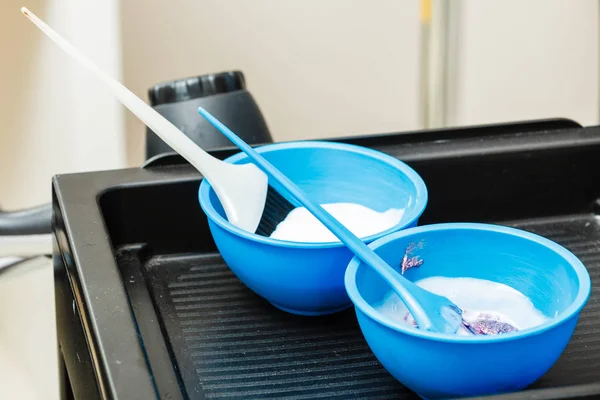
55 117
349 67
526 59
316 68
28 354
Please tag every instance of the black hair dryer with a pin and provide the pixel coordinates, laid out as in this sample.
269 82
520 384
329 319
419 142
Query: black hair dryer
223 94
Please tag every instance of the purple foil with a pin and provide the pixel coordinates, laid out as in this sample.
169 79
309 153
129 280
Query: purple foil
483 324
409 262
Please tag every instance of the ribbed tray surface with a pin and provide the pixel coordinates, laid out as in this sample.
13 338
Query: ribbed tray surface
234 345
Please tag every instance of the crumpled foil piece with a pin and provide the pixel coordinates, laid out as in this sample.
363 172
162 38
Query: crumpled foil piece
481 324
486 324
409 262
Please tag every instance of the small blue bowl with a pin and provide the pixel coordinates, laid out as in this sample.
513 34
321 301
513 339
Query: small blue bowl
308 278
438 365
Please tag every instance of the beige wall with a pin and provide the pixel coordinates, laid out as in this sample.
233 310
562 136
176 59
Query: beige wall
340 67
526 59
55 117
316 68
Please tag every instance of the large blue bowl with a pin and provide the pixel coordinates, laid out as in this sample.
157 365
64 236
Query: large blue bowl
308 278
438 365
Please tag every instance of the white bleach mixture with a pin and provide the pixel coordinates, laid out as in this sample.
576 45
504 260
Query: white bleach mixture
476 297
301 226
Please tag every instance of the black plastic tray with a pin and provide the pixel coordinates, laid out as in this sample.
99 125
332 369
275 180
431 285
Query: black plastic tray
161 315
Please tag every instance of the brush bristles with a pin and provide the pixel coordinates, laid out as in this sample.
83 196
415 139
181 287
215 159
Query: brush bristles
276 209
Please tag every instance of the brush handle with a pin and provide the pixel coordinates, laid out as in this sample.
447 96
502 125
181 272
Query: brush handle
400 284
177 140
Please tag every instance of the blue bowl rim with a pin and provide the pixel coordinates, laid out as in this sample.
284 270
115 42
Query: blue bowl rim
420 195
573 309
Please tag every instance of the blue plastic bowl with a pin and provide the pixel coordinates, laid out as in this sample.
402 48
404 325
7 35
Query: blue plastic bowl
308 278
438 365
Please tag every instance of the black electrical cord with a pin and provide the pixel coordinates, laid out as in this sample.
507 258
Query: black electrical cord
31 221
